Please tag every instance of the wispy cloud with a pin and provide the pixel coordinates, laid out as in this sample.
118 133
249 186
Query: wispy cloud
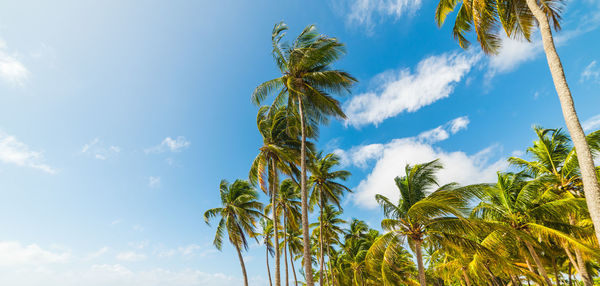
404 91
513 53
130 256
170 144
12 69
591 73
153 182
100 151
591 124
14 253
367 12
388 161
13 151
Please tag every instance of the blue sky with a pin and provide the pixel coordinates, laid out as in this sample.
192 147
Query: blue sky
119 119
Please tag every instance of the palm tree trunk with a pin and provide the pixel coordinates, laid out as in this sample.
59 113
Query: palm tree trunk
538 262
585 275
239 252
304 198
492 277
285 253
570 278
321 254
515 281
268 267
293 268
419 253
584 156
330 282
556 275
272 184
467 280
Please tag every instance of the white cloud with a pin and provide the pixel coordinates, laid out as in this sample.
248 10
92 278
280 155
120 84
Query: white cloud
402 91
15 152
12 253
98 150
170 144
12 70
130 256
153 182
512 53
97 253
363 12
138 228
391 158
592 124
591 73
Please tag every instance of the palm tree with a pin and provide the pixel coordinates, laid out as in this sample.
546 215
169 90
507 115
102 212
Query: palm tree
276 154
306 83
239 211
266 226
288 205
323 182
518 18
328 229
294 241
555 165
418 216
522 213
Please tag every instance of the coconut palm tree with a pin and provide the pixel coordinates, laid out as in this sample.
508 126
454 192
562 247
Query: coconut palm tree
266 227
518 18
326 189
306 82
328 230
278 152
294 241
555 166
288 206
421 217
239 212
389 263
522 213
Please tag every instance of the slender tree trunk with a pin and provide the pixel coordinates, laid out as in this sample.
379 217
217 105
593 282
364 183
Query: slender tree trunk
583 272
293 267
321 253
419 253
584 156
538 262
492 277
304 198
515 281
273 186
285 253
268 267
556 274
239 252
330 269
570 277
466 276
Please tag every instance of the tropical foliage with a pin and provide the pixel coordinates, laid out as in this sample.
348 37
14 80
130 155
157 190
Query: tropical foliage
531 225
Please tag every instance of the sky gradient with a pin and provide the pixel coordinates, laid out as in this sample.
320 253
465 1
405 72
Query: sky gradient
119 119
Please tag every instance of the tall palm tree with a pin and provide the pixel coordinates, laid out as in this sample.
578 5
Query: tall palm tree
419 216
279 149
294 241
266 227
288 205
328 230
306 84
239 212
326 189
522 213
555 165
519 18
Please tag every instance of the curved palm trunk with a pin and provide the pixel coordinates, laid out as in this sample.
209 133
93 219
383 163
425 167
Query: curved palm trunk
239 252
585 275
304 198
556 275
321 254
419 254
576 262
467 280
272 185
584 156
269 268
538 263
293 268
285 253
